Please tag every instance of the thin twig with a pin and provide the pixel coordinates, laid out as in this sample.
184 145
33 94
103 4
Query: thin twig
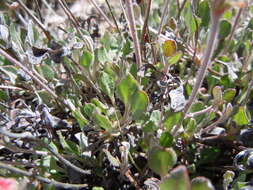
145 24
20 163
194 114
113 17
16 149
133 31
25 135
214 124
76 25
49 7
102 13
216 15
180 9
130 177
66 162
10 87
164 13
69 13
205 61
38 9
43 28
29 136
42 179
27 71
237 19
249 89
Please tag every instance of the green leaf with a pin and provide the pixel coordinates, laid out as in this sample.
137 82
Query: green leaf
113 160
155 117
47 72
204 13
228 178
74 148
16 39
52 146
190 128
225 28
209 154
97 188
107 84
126 88
229 94
109 41
161 160
101 55
217 94
88 109
3 95
178 179
169 48
139 103
10 71
197 107
150 127
201 183
250 25
30 34
189 18
4 33
102 121
172 119
127 48
166 139
68 146
228 14
45 97
174 59
86 59
82 121
100 105
240 117
226 82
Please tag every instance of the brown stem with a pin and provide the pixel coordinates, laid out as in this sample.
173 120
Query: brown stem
69 13
237 19
165 10
145 24
102 13
29 136
206 110
132 28
27 71
40 178
43 28
113 17
205 61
